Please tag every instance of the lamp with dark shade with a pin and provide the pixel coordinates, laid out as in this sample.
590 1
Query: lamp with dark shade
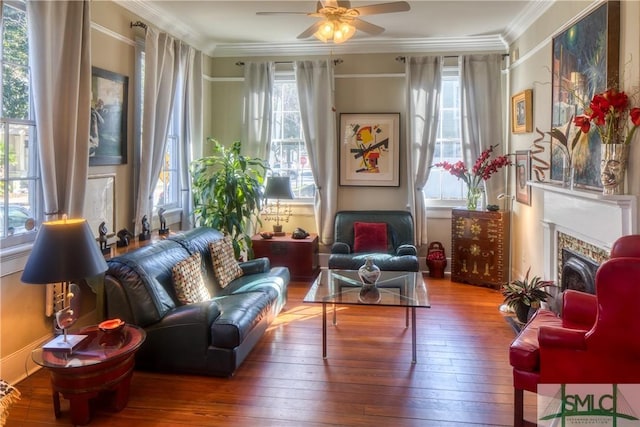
64 251
278 187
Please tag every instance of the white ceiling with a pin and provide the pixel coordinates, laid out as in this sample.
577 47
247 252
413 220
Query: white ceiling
232 28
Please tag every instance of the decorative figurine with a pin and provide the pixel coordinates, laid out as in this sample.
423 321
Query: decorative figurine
123 237
163 222
146 233
102 231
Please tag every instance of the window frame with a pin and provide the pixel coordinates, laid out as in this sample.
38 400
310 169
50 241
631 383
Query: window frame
449 72
11 244
288 77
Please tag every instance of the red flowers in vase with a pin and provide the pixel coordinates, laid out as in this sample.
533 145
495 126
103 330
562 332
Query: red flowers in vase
482 170
615 120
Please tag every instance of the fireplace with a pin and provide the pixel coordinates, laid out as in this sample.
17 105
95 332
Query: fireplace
584 222
578 272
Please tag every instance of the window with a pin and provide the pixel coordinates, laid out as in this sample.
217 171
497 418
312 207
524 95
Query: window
442 187
288 154
165 192
19 180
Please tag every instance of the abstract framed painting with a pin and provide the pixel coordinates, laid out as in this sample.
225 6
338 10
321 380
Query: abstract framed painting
108 126
369 149
585 62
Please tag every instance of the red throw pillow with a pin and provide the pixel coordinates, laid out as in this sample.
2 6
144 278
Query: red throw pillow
370 237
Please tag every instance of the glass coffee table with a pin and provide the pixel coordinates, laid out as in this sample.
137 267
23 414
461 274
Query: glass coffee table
394 289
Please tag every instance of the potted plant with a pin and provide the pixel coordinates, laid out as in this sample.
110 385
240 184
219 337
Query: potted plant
227 193
521 295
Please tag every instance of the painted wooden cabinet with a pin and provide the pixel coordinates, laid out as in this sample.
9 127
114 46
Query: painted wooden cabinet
301 256
480 247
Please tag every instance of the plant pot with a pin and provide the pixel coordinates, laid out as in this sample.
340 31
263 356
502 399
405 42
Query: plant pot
522 312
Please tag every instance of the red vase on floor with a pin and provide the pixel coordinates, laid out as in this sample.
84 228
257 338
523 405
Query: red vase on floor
436 260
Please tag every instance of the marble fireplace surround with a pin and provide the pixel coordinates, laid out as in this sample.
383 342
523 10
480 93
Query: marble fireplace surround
582 220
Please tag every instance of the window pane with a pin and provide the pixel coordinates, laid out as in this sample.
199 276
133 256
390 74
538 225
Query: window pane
291 125
441 185
288 155
19 182
18 151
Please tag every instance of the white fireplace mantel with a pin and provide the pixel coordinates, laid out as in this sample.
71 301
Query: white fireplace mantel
587 215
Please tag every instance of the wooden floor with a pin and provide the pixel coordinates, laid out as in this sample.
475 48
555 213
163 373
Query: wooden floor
462 377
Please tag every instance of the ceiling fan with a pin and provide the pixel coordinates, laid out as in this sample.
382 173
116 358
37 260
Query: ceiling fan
340 21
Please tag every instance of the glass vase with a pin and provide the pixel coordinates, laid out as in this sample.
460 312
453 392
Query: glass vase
473 197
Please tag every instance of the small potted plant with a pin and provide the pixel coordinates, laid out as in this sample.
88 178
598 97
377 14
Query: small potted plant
524 294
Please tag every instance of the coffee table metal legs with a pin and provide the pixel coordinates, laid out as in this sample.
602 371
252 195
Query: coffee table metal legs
414 357
324 328
413 334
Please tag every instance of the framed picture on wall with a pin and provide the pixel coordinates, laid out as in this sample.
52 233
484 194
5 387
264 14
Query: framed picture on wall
523 174
521 112
369 149
99 203
585 62
108 126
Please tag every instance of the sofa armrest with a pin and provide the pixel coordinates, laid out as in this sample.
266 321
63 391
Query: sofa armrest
257 265
340 248
204 312
561 338
406 250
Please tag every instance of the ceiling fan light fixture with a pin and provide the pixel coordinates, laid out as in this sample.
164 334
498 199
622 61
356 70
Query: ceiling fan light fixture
337 30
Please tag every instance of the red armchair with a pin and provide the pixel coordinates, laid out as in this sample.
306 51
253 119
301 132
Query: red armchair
595 341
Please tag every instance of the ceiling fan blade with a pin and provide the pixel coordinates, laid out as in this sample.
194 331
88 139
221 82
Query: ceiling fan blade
281 13
309 31
367 27
374 9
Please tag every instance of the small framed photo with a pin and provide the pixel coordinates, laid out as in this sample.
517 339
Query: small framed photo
521 112
369 149
108 126
523 174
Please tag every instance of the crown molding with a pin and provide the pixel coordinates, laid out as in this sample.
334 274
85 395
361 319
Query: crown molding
490 43
523 21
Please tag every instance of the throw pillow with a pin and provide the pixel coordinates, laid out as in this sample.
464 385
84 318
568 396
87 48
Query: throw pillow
187 280
225 266
369 237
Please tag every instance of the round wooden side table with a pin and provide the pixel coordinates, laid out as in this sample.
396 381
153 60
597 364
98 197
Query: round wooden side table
101 366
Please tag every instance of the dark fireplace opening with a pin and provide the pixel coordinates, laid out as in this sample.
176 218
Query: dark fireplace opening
578 272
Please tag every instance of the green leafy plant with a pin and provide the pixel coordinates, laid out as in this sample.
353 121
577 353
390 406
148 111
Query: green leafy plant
526 291
521 295
227 193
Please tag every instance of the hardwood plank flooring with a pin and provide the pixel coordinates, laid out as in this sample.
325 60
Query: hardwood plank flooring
462 377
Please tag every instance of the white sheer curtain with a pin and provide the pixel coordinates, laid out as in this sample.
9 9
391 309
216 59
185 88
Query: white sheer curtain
481 87
424 77
191 125
160 77
61 83
315 92
258 90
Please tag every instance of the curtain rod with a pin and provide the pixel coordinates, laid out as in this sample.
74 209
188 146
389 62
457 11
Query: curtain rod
138 24
404 58
335 62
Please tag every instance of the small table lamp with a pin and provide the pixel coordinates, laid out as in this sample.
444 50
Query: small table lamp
278 187
64 251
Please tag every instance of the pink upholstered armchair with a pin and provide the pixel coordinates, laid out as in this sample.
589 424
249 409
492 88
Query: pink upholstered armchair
595 340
